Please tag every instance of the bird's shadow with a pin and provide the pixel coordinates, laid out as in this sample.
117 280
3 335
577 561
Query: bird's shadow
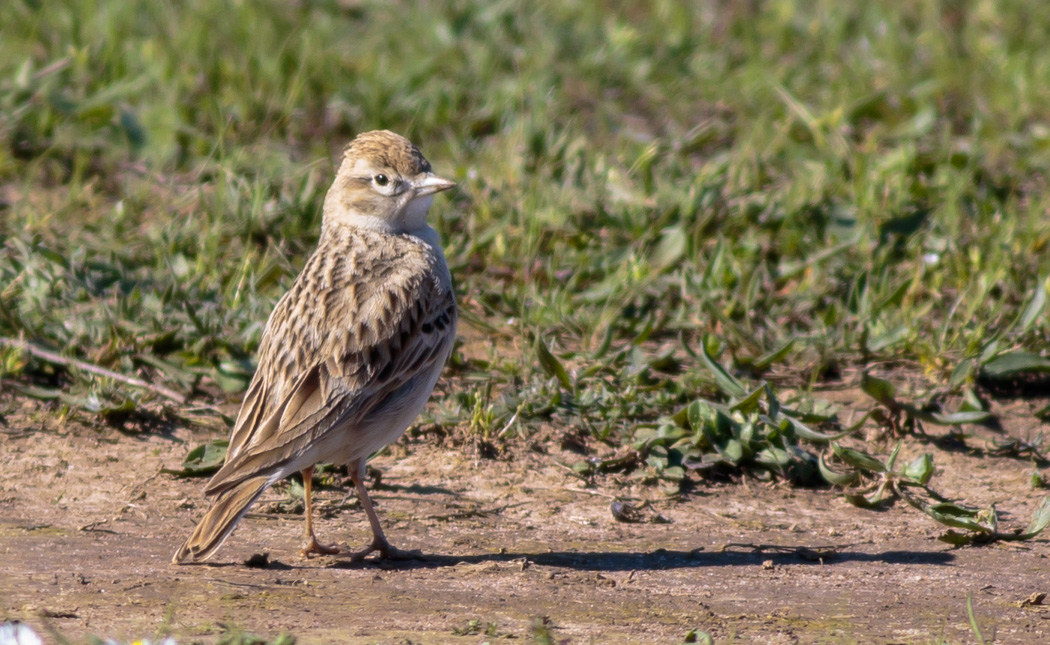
736 555
417 489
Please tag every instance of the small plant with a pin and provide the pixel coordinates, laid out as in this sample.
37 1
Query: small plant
753 432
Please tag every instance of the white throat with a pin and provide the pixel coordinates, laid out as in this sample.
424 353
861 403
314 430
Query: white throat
415 216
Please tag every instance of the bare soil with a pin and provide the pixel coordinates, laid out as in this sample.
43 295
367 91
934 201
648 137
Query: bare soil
88 524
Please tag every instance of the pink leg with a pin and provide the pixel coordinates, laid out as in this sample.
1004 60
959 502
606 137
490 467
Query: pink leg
311 545
379 541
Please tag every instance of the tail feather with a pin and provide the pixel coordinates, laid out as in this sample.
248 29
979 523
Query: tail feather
221 519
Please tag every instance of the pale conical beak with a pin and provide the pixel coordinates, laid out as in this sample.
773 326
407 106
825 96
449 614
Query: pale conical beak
432 184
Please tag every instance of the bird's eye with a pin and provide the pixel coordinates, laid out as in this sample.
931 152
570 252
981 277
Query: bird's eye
381 180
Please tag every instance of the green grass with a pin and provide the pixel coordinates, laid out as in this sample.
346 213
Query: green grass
802 189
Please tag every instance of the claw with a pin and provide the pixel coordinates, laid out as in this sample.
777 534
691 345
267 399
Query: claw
386 552
313 547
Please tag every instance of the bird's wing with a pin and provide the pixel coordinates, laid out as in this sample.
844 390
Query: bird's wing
338 344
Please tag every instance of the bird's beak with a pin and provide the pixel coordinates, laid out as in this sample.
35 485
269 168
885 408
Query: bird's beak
432 184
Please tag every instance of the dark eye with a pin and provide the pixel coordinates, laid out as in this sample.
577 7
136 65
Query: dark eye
381 180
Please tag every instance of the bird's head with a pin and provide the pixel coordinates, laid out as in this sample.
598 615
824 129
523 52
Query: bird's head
383 183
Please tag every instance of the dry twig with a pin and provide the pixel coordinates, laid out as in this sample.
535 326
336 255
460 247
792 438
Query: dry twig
57 359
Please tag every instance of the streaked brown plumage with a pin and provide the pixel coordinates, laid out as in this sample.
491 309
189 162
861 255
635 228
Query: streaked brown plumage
352 351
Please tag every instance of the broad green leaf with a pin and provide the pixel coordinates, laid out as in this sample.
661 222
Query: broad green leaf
970 402
670 250
893 299
698 637
714 433
1034 310
953 508
951 419
888 339
764 361
706 461
858 459
955 521
805 432
551 365
733 451
1040 520
203 460
231 376
774 457
892 460
647 330
673 473
53 256
883 494
1011 363
958 539
834 477
669 433
813 411
920 470
41 393
658 462
603 347
947 513
860 501
726 381
776 428
963 373
749 403
747 434
989 351
879 389
700 414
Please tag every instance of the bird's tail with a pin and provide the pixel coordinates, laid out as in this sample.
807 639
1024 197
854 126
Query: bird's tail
220 520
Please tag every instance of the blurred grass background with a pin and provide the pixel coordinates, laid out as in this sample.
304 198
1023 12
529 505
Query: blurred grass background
806 188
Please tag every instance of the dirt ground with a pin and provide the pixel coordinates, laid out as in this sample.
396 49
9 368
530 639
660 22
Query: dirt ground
514 547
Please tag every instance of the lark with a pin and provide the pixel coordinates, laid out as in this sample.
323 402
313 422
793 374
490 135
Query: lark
352 352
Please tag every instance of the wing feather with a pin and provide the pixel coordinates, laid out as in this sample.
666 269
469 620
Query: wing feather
341 343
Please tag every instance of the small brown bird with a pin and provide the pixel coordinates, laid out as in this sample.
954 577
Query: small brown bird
352 352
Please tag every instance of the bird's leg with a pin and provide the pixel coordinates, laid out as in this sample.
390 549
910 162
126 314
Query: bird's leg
379 541
312 545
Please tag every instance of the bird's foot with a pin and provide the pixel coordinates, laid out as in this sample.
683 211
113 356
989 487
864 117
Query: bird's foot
313 547
386 552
